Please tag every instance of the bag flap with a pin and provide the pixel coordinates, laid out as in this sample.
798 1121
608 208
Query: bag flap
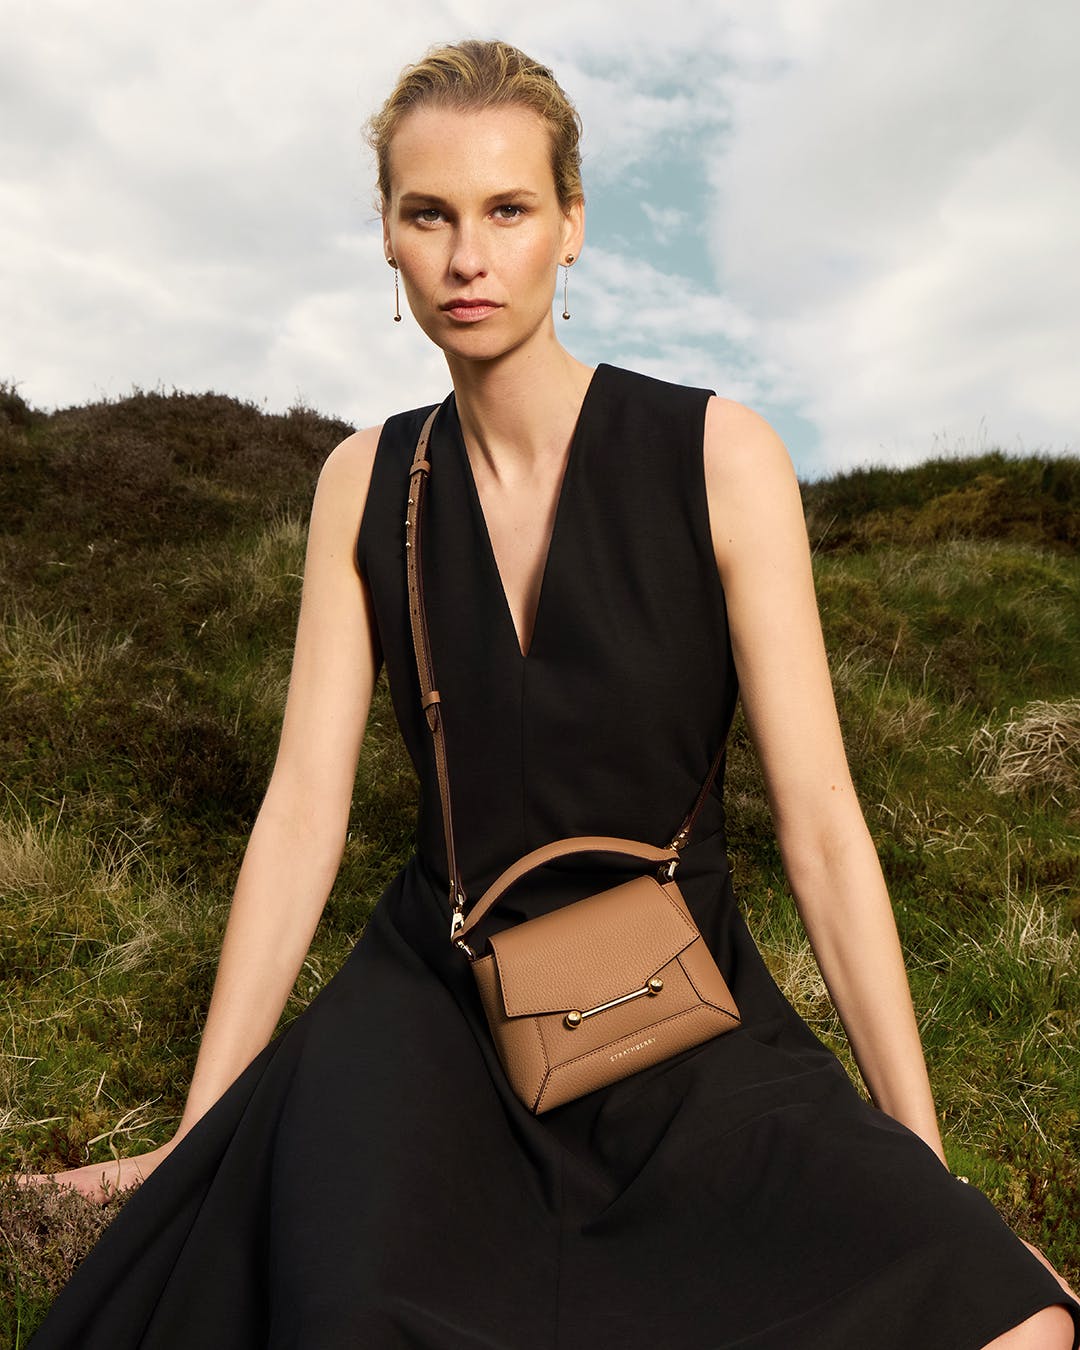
592 951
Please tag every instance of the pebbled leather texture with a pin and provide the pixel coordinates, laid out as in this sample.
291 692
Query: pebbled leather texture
592 952
584 954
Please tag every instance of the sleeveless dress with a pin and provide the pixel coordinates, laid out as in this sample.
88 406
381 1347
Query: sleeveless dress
371 1181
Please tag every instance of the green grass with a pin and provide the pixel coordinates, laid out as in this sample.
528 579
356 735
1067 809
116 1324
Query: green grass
149 578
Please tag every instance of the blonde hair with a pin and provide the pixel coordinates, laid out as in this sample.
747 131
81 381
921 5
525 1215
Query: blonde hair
475 75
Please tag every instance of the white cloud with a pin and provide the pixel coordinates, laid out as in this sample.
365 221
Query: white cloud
899 208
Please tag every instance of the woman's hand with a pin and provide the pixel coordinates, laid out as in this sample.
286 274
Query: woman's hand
99 1181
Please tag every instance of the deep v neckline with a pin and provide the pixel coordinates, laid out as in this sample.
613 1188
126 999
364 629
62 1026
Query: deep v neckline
481 519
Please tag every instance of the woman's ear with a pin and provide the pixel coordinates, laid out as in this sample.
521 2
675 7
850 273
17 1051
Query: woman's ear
574 228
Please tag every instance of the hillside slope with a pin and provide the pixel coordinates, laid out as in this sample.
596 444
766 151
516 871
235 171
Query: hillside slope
150 560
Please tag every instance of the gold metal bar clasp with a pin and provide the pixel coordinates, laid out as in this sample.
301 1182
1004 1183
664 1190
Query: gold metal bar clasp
574 1019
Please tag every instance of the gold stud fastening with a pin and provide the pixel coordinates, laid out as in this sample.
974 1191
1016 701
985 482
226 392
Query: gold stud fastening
572 1019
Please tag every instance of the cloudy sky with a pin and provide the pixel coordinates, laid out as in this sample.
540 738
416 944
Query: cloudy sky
860 218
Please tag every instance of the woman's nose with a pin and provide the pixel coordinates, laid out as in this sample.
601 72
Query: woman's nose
467 259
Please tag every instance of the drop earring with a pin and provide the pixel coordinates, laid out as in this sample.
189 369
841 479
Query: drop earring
397 294
565 282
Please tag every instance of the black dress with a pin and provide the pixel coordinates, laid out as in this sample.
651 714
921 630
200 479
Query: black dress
370 1180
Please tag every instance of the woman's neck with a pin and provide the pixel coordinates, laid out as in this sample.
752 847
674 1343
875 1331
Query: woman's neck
521 409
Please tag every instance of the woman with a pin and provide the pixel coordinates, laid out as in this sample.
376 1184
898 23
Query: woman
608 558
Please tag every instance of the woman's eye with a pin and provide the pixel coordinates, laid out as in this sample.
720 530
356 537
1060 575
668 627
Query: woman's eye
509 211
428 215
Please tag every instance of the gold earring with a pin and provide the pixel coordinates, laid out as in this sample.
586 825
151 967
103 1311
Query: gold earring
566 278
397 295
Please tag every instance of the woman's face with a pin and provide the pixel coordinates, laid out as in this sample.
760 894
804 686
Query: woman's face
474 217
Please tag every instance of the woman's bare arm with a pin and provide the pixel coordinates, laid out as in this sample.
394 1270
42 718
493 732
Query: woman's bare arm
298 838
763 556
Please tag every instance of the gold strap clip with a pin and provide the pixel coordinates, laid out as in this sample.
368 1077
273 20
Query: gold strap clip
457 920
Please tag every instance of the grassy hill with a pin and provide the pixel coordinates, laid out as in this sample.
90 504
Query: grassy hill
150 560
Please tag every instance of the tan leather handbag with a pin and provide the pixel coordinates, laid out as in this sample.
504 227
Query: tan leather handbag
596 990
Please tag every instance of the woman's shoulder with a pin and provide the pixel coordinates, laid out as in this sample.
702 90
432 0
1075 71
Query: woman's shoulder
367 465
349 464
742 444
748 471
737 438
751 486
352 459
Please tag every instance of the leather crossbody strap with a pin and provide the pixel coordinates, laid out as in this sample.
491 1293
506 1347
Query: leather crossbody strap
429 695
430 701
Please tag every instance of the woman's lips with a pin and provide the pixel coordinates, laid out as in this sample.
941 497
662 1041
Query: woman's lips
470 311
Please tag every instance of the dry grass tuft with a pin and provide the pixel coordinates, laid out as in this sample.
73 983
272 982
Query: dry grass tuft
36 856
111 895
53 649
794 967
257 576
1039 748
1039 936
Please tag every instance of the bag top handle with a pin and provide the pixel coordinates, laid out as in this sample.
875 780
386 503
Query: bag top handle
562 848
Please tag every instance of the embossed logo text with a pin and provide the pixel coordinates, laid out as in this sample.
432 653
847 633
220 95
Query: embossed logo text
639 1045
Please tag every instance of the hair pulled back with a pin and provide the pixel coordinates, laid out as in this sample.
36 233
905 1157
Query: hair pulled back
478 75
